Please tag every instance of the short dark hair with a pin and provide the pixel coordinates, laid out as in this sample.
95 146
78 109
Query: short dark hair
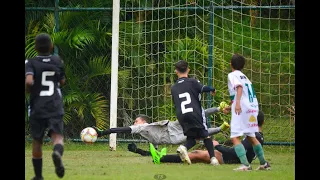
43 43
144 117
238 62
260 118
181 66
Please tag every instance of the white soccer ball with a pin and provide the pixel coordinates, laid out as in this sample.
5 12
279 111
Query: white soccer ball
89 135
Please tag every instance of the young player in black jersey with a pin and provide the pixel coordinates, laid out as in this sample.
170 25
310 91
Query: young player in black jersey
186 95
44 76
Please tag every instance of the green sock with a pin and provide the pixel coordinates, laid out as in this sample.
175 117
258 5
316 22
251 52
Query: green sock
260 154
241 153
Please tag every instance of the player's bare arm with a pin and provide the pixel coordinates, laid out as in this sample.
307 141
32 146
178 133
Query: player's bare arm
213 93
209 89
29 76
239 94
29 82
62 74
62 82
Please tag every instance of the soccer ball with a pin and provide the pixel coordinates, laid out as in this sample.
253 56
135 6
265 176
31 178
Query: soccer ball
88 135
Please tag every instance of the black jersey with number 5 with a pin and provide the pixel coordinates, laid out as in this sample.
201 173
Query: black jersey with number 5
186 95
45 94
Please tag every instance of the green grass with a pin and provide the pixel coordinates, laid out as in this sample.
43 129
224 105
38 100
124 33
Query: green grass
83 162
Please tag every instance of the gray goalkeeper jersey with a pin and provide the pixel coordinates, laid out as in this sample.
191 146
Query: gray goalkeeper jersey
167 132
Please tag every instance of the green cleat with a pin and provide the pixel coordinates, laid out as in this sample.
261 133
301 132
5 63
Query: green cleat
155 156
224 126
163 152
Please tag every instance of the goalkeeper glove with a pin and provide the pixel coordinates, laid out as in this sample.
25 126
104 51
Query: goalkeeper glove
222 105
132 147
99 132
224 126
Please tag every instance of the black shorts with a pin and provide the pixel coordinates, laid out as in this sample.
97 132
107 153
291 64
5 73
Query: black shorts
233 159
197 133
230 159
39 125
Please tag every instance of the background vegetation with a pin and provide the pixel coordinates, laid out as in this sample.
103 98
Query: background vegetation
151 40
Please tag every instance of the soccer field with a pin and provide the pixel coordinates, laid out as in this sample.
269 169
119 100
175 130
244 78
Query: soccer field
91 162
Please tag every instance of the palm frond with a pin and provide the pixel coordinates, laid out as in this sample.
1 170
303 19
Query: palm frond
59 38
84 106
79 38
101 32
99 66
71 98
73 82
33 29
80 110
67 118
49 22
33 21
67 19
98 109
29 49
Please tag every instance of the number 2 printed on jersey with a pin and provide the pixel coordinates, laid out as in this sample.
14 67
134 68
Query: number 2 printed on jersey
186 102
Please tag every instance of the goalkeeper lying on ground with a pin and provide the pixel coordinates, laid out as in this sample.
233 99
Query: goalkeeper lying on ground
224 154
162 132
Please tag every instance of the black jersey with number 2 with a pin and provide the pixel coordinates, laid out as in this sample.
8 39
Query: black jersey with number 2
45 94
186 95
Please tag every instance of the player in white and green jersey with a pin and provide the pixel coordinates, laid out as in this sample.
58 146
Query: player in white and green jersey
244 111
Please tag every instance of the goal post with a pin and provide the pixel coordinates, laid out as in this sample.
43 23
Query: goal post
114 73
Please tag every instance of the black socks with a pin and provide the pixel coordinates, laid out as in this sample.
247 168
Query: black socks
59 148
37 166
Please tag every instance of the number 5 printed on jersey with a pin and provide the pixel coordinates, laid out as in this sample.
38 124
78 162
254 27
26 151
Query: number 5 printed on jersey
186 102
45 82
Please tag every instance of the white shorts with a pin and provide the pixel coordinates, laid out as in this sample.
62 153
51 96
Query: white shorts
238 134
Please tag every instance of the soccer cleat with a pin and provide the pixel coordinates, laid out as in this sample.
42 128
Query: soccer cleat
224 126
183 153
37 178
243 168
99 132
214 161
155 156
163 152
266 166
57 161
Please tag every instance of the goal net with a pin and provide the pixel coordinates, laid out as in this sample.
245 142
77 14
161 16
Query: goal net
153 35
